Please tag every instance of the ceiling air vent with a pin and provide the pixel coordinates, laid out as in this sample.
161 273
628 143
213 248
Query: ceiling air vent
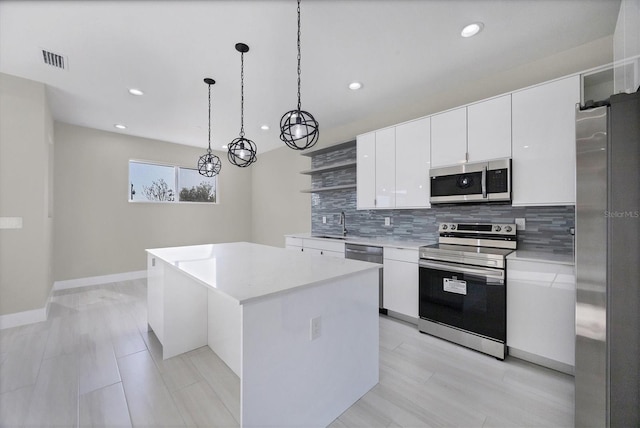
53 59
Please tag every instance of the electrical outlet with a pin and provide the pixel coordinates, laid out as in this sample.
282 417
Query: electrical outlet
324 219
387 221
520 223
315 328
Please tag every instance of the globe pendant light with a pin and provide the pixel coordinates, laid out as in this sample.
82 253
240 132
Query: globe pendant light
209 164
298 129
242 152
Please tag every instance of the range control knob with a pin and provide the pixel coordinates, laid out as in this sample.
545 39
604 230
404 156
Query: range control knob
508 229
445 227
453 227
497 228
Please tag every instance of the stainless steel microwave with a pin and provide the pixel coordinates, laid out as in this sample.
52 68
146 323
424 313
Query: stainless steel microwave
488 181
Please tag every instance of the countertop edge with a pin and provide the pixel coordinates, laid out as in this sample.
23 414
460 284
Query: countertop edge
408 245
541 257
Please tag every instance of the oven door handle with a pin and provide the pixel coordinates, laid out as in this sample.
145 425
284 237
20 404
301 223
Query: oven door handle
485 273
484 182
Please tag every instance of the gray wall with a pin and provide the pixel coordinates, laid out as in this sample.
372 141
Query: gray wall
98 232
281 163
26 143
278 205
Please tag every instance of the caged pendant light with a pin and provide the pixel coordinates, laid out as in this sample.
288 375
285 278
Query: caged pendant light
298 129
242 151
209 164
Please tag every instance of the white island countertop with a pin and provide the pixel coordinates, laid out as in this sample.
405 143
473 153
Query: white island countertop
245 271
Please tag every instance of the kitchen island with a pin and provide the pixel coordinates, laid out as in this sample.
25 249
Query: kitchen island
300 331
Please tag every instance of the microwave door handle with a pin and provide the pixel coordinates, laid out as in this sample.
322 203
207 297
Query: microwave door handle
484 182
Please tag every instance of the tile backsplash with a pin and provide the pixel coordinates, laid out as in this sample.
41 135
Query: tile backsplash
547 228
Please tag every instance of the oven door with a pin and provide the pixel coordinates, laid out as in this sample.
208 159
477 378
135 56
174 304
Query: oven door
467 297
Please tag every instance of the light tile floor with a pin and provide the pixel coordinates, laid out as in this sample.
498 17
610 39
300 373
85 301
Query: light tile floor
93 363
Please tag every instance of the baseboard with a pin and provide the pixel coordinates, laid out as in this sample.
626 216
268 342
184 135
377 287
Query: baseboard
41 314
542 361
97 280
23 318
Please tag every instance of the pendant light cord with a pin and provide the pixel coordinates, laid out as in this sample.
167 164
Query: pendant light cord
242 94
209 149
299 56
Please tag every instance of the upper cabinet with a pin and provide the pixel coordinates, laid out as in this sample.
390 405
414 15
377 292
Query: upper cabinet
376 170
366 171
413 160
385 176
449 138
489 129
479 132
543 165
393 167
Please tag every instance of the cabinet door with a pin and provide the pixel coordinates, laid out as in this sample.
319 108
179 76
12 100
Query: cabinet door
413 160
541 309
400 287
386 168
489 129
449 138
366 171
544 141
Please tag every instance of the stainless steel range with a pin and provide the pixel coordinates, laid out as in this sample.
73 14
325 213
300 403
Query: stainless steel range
462 292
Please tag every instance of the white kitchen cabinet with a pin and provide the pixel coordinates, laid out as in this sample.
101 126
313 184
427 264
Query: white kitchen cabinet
475 133
376 170
366 171
449 138
489 129
544 138
541 313
385 176
413 160
400 284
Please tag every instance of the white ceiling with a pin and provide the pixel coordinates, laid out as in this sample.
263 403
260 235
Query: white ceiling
401 50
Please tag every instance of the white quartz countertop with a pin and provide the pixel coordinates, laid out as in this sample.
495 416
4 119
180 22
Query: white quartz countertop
245 271
382 241
539 256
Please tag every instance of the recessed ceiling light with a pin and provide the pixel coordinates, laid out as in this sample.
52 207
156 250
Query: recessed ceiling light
354 86
120 126
265 127
472 29
134 91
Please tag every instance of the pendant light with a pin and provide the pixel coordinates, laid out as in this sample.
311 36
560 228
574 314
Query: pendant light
209 164
242 151
298 129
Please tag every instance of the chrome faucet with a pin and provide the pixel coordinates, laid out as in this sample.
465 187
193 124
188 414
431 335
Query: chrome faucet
343 222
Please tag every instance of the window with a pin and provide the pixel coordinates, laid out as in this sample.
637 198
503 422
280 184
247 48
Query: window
149 182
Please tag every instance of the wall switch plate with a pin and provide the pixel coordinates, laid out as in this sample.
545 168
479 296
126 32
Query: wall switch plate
520 223
315 328
387 221
10 222
324 219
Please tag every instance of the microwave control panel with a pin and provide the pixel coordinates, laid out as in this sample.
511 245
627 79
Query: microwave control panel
498 180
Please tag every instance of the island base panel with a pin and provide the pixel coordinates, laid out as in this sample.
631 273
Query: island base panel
290 380
225 330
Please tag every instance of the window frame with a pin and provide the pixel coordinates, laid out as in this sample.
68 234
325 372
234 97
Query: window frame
176 184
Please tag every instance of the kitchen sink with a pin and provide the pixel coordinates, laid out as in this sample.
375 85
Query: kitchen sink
329 237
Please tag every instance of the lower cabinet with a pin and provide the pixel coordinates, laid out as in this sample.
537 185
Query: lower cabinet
321 247
400 271
541 313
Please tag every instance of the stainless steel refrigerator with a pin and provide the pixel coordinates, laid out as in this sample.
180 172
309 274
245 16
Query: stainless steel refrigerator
607 374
